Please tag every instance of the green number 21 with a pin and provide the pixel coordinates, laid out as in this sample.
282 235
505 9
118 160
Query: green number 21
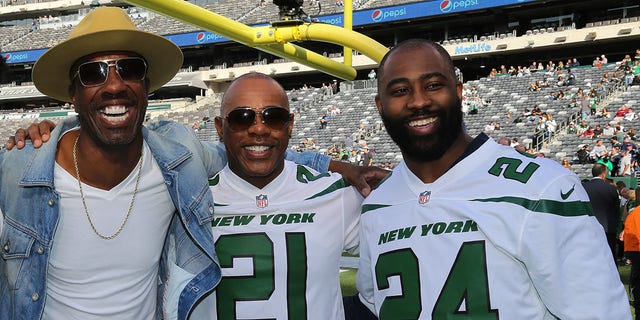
465 294
261 285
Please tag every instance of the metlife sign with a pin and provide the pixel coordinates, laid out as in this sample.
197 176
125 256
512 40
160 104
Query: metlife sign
472 48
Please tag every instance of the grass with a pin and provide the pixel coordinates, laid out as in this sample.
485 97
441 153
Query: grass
348 281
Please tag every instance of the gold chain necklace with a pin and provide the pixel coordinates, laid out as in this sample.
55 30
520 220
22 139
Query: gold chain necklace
84 204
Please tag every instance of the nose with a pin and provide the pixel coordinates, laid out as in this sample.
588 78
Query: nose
114 83
418 99
258 127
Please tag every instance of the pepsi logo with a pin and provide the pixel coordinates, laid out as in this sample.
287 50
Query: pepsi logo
200 37
376 15
446 5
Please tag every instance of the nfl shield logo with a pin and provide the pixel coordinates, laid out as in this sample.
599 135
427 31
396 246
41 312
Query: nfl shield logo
262 201
423 198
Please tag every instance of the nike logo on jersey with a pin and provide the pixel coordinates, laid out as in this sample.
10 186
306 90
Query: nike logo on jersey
565 195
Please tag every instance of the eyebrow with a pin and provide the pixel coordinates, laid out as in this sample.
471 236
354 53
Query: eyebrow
422 77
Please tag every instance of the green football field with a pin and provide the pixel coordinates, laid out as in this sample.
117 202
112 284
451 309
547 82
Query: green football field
348 281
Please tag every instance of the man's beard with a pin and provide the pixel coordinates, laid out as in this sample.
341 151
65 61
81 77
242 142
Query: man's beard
430 147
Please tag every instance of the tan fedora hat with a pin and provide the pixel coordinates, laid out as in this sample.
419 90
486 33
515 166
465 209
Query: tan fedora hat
102 30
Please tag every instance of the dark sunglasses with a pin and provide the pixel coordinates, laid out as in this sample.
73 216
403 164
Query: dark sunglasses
95 73
275 118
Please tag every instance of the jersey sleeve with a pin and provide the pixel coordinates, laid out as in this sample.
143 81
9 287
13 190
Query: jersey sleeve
364 276
567 256
351 202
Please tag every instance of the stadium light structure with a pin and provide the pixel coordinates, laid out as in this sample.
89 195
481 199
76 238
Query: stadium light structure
290 9
276 38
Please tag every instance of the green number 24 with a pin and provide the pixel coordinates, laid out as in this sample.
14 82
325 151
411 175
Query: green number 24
261 285
467 285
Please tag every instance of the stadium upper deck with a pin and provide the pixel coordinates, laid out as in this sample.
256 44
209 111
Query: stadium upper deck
480 34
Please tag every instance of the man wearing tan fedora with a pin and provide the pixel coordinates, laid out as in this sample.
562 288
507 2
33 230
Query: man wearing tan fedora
113 221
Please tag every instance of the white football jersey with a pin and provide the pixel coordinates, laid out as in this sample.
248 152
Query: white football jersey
501 235
280 246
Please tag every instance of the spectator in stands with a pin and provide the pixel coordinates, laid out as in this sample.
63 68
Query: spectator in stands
566 164
584 155
572 129
608 130
504 141
458 74
626 161
604 59
597 131
576 63
596 63
621 112
533 86
489 127
631 133
585 106
367 157
571 78
604 113
587 133
372 75
324 120
599 150
629 74
335 87
551 66
630 115
514 142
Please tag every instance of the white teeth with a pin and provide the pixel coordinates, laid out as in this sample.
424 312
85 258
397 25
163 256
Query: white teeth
421 122
116 118
257 148
111 110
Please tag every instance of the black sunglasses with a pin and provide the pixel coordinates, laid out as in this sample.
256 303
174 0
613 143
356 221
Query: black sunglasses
275 118
95 73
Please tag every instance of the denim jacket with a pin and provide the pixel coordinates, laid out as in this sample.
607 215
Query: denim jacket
29 205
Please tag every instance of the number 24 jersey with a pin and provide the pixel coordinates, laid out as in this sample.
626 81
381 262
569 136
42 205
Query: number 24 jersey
500 235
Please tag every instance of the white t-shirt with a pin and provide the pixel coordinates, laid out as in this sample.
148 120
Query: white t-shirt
499 235
280 246
92 278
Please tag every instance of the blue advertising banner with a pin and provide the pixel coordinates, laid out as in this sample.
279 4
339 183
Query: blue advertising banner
363 17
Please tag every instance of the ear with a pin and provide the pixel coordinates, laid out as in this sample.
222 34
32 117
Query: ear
290 129
378 103
218 123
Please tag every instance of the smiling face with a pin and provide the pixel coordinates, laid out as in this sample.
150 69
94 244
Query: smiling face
419 100
256 154
111 113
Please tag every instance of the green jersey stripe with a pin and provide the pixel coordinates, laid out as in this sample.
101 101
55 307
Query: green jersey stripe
369 207
339 184
560 208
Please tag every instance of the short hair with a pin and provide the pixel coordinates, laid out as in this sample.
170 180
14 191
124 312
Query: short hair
598 169
413 44
258 75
